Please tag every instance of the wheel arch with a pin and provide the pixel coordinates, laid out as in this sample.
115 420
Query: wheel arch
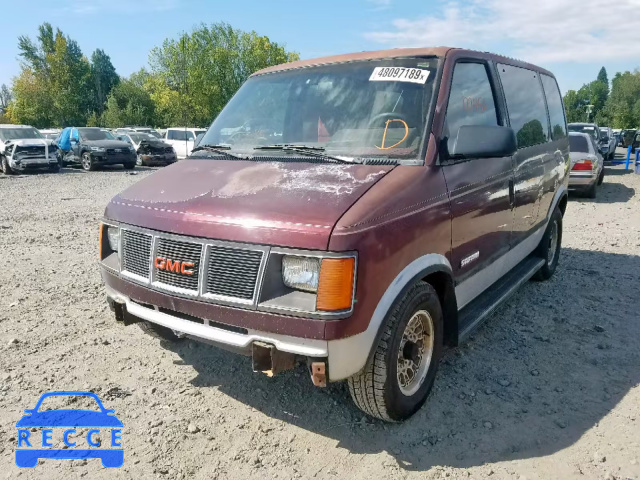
349 355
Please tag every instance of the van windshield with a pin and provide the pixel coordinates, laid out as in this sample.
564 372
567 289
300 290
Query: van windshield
362 109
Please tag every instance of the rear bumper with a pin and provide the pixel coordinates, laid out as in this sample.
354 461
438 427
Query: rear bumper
237 330
579 181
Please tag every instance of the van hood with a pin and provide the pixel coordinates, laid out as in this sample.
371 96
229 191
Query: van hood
275 203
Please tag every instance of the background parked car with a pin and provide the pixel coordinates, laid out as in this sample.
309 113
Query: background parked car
587 164
23 147
608 143
627 136
93 147
592 129
50 133
182 139
150 150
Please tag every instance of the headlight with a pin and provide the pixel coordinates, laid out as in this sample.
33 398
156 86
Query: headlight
301 273
97 149
113 235
331 279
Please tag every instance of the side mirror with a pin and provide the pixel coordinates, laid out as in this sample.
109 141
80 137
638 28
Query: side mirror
483 141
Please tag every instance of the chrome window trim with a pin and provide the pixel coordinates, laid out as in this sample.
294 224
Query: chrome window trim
200 295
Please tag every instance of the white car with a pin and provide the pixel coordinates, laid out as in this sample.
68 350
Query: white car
587 164
24 148
182 139
50 133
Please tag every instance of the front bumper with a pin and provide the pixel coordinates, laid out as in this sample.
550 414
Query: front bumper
157 158
33 163
237 329
113 159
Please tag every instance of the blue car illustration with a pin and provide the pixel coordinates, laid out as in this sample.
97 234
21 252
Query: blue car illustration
72 418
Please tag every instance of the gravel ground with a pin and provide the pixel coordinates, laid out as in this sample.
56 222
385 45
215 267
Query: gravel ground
547 388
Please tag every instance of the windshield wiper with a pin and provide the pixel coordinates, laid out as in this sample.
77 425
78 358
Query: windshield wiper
308 150
220 149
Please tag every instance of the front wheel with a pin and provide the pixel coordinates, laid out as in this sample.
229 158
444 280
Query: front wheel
87 162
129 166
549 247
6 168
396 381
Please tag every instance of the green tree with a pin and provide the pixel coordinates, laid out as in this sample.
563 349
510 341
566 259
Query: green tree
129 103
602 77
5 98
104 78
623 105
206 67
58 78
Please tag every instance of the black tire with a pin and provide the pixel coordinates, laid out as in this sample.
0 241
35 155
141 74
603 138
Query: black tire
158 331
546 244
376 389
129 166
6 168
591 192
54 168
601 177
87 163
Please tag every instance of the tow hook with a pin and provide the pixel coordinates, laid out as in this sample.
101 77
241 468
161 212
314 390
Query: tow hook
318 374
269 360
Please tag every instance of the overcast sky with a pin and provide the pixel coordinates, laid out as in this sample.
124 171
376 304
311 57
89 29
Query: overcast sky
572 38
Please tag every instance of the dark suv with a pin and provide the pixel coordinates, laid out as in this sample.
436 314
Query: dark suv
388 204
92 147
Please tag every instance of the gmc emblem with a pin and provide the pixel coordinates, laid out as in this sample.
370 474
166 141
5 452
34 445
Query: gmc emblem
175 266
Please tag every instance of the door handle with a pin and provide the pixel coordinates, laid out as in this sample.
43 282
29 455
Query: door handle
512 194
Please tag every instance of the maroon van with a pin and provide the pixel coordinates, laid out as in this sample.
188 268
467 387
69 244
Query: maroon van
356 212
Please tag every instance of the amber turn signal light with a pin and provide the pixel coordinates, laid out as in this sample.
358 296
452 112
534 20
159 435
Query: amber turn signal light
335 286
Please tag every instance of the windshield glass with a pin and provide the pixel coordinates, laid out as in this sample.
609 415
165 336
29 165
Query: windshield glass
138 137
94 134
578 143
19 133
590 129
372 108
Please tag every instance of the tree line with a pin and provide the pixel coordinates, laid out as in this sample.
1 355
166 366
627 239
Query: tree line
188 82
615 107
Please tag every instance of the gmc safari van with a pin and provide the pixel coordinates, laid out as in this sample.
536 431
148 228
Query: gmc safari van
376 208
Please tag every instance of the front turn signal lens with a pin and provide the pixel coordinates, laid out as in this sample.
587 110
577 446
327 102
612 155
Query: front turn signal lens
335 286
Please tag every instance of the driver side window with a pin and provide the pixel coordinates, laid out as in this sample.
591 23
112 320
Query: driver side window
471 100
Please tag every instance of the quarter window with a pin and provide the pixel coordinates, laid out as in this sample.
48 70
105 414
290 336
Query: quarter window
525 103
554 103
470 100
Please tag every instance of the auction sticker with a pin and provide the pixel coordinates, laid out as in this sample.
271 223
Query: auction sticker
399 74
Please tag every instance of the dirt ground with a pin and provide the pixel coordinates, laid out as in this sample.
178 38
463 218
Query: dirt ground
547 388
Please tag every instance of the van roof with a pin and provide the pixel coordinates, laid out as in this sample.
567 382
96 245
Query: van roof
398 52
10 125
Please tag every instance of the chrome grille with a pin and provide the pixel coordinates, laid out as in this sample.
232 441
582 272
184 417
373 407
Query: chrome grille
175 251
232 272
136 252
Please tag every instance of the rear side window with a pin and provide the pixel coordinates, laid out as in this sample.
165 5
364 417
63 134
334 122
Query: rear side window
470 100
578 144
525 103
180 135
554 104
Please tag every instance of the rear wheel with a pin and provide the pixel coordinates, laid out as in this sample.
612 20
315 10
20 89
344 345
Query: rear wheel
396 381
158 331
601 177
549 248
591 191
